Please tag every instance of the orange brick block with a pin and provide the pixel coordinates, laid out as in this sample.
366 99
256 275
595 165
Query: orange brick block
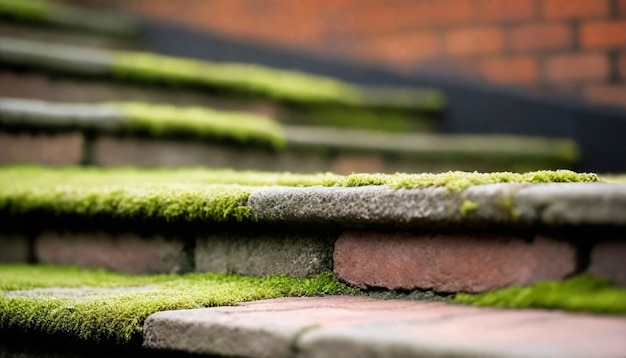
553 36
474 41
569 9
520 70
567 68
505 10
604 34
403 49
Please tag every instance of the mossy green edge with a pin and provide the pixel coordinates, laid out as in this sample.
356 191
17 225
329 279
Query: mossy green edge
201 195
26 9
201 123
118 317
291 87
583 293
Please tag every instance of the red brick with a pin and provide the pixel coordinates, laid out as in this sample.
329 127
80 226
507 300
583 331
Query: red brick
606 94
474 41
404 49
608 259
62 149
604 34
505 10
577 67
569 9
511 70
622 7
448 263
125 253
348 164
553 36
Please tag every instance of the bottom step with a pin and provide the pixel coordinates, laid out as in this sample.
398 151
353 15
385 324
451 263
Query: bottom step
363 327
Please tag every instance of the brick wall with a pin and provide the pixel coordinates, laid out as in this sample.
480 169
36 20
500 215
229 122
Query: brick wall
572 47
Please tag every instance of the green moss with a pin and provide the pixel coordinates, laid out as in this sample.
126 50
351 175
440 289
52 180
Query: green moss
468 207
118 317
279 85
582 293
185 195
25 9
201 123
508 205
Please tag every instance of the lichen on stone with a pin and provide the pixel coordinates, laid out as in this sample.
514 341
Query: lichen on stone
468 207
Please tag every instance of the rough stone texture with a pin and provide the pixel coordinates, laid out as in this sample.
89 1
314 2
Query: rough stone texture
259 255
62 149
519 204
448 263
608 259
14 248
361 327
123 252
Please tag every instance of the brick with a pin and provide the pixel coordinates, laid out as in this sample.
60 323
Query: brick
61 149
606 94
123 252
621 65
474 41
621 7
348 164
552 36
571 9
567 68
23 85
404 49
260 255
448 263
520 70
605 34
14 248
608 259
505 10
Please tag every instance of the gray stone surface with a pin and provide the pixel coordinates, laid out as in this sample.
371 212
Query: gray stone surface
362 327
120 252
14 248
259 255
449 263
518 204
75 293
47 115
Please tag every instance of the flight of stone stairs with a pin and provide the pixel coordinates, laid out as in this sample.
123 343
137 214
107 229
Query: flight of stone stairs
77 90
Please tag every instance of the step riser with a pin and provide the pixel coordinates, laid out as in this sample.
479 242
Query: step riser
368 259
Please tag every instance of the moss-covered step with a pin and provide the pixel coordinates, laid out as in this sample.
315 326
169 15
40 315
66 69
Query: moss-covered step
421 227
57 16
100 309
122 133
293 95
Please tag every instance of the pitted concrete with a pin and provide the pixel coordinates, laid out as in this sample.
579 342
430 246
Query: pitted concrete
510 204
362 327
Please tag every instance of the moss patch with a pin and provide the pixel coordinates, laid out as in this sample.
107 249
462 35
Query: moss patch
468 207
201 123
582 293
25 10
118 317
199 195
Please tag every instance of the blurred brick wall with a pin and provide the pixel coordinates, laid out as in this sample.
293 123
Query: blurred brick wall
573 47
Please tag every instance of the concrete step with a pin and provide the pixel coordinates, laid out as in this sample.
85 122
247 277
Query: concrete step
95 74
361 327
450 232
125 133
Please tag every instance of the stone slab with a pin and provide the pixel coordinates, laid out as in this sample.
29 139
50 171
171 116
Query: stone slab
608 259
259 255
14 248
120 252
362 327
449 263
554 204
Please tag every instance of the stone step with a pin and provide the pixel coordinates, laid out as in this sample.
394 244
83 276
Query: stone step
449 232
361 327
97 74
120 133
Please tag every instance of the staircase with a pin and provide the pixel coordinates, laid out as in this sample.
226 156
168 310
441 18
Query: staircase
250 260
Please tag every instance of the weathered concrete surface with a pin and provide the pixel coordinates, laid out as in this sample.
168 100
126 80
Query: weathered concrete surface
62 149
449 263
259 255
361 327
608 259
519 204
123 252
14 248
